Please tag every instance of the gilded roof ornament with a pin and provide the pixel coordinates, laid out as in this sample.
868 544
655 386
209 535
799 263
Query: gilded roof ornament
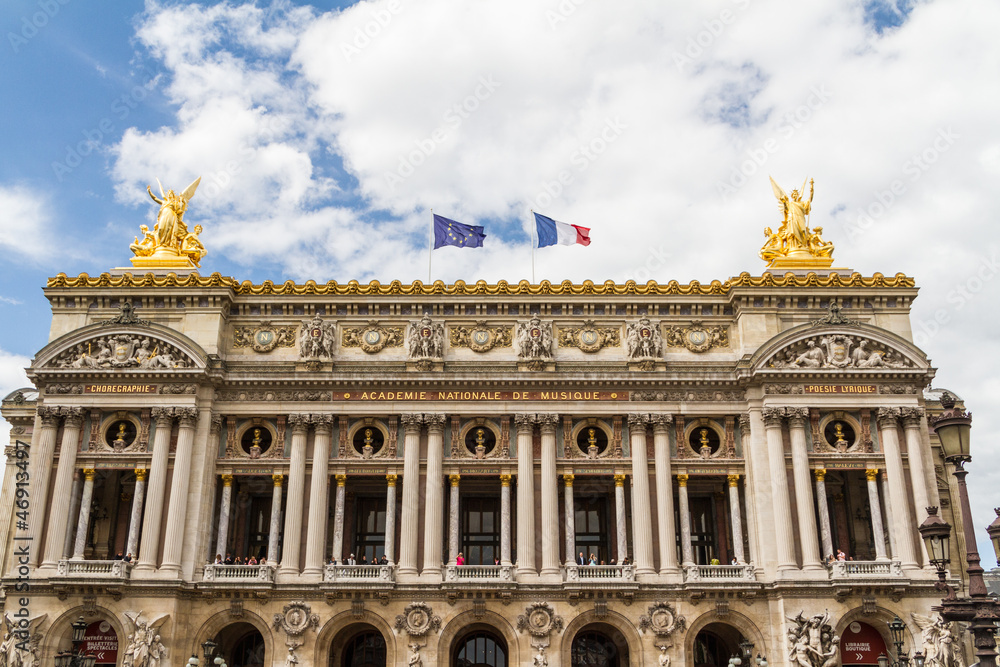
170 245
795 245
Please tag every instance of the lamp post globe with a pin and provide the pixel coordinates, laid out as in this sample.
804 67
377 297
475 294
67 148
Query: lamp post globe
994 530
936 534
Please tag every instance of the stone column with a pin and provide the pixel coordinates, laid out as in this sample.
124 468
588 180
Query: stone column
890 535
74 510
272 536
569 511
59 507
173 547
912 425
505 519
40 468
135 521
411 495
225 506
902 524
390 518
783 537
434 498
152 518
825 532
684 509
550 497
620 523
319 482
808 538
642 526
525 495
876 511
453 520
337 548
736 518
83 523
664 493
292 539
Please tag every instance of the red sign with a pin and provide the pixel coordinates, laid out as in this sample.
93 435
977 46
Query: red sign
861 644
101 640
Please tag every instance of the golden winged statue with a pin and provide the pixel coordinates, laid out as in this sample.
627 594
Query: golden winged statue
795 245
171 244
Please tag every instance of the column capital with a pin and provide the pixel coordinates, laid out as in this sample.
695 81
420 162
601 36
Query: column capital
278 479
89 474
140 474
227 479
797 417
887 417
411 422
682 479
323 423
50 416
300 422
341 479
454 479
744 421
73 416
819 474
505 479
773 417
165 415
734 479
871 474
619 479
661 422
435 422
568 479
216 424
188 417
638 419
912 417
547 422
390 479
524 422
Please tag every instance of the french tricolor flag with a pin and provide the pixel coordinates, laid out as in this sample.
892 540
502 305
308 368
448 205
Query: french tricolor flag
552 232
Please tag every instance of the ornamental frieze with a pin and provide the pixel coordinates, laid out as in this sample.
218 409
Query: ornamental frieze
838 351
696 337
480 337
123 351
688 395
372 338
243 395
263 337
589 337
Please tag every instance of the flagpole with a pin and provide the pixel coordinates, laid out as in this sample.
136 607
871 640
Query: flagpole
534 234
430 249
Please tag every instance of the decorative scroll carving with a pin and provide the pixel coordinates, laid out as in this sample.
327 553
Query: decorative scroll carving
589 337
837 351
418 619
643 340
317 338
567 436
372 338
662 620
425 339
263 337
480 337
696 337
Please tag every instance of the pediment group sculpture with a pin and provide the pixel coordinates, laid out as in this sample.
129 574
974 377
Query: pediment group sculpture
123 351
838 351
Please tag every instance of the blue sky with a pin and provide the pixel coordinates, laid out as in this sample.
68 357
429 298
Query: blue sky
325 134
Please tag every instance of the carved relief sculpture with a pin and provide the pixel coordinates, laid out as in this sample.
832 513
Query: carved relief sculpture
834 351
123 351
264 337
812 641
372 338
480 337
418 619
589 337
697 338
295 619
662 620
539 620
425 339
143 646
643 340
317 338
533 342
941 645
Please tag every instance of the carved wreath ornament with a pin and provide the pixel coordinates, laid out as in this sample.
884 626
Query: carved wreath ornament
295 619
539 619
661 620
418 619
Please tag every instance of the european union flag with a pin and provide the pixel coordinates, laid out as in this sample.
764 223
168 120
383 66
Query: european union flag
449 232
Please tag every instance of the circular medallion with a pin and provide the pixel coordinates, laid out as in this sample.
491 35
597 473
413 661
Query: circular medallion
316 332
120 435
373 336
590 340
697 340
264 340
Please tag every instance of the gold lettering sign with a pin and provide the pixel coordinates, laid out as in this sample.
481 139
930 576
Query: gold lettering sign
480 396
119 389
841 389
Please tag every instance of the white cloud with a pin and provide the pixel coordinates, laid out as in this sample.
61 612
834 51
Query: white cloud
11 377
24 223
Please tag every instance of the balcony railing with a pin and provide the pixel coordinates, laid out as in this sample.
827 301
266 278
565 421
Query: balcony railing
479 573
722 573
239 573
866 569
96 569
385 574
600 573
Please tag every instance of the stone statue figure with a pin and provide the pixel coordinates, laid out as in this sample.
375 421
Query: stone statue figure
540 660
415 660
940 645
663 660
643 340
533 339
425 339
812 642
145 648
157 651
317 338
794 239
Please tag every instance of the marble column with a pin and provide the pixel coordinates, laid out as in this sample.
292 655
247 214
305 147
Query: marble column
292 540
59 506
664 493
891 548
569 512
684 509
902 524
783 537
876 511
152 517
736 518
525 425
642 527
453 519
620 523
390 518
173 546
505 519
273 533
410 516
434 498
135 520
83 523
337 548
825 532
74 510
319 482
225 506
912 425
550 497
40 468
808 537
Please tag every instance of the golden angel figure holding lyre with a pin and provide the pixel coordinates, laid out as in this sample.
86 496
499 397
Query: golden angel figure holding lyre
170 244
795 244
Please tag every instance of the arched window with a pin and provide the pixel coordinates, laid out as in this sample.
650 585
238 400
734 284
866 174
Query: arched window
480 649
248 651
595 649
365 649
